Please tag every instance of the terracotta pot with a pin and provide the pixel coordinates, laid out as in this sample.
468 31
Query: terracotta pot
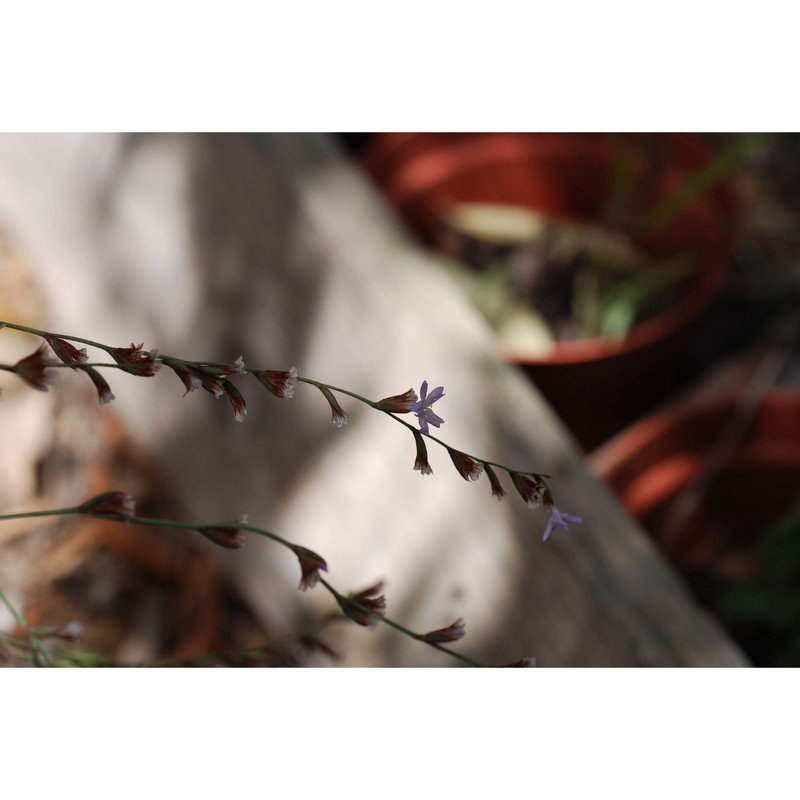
596 385
650 464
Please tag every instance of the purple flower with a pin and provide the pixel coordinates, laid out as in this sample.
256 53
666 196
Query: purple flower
422 408
560 519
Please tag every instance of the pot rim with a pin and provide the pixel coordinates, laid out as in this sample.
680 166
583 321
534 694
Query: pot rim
613 456
418 177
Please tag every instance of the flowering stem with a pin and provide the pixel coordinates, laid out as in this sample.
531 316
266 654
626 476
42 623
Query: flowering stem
164 358
23 623
170 523
399 627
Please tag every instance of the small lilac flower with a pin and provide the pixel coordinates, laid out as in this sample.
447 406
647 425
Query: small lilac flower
422 408
560 519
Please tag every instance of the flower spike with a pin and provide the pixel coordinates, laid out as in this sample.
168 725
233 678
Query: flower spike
280 383
67 352
452 633
339 417
530 491
397 404
31 369
230 537
468 468
104 392
135 360
497 489
421 463
112 504
237 401
364 607
310 565
188 378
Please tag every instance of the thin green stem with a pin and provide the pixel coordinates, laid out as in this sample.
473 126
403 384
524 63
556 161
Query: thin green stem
23 623
38 332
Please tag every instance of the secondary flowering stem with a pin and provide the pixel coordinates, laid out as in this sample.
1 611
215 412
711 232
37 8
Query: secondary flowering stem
85 510
397 626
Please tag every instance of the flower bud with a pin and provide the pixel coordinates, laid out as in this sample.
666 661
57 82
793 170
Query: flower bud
421 463
280 383
310 565
224 536
468 468
110 504
339 417
363 608
67 352
31 369
398 404
103 389
530 490
135 360
452 633
497 489
237 401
